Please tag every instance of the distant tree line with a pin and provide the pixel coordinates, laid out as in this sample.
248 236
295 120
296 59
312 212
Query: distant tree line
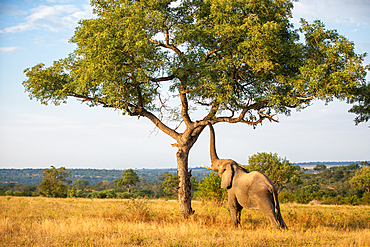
346 184
34 176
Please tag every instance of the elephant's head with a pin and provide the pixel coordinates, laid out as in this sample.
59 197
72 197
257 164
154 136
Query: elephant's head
226 172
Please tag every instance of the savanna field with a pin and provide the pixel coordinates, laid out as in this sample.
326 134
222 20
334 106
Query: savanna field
40 221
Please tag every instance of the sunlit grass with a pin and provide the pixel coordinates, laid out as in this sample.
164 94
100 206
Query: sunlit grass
112 222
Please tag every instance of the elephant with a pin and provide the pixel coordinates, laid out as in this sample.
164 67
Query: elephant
250 190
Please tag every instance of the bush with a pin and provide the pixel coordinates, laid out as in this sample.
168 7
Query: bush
110 194
353 200
124 195
210 188
285 197
366 198
304 198
97 194
9 193
75 193
17 193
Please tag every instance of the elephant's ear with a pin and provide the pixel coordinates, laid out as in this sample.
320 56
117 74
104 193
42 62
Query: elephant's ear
226 173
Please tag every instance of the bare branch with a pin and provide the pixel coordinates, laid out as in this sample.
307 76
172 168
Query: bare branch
178 126
209 54
160 79
157 122
202 103
168 46
184 107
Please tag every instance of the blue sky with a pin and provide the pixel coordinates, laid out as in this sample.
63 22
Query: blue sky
76 136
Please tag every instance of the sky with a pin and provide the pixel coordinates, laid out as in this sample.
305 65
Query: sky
74 135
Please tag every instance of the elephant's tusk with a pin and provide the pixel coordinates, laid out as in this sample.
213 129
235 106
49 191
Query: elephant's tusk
207 167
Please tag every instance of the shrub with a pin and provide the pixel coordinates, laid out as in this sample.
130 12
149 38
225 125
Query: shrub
285 197
124 195
210 188
97 194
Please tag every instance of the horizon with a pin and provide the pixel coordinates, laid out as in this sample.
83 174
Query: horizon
309 164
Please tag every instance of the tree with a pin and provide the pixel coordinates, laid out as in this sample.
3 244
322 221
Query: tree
129 178
364 163
54 182
170 184
361 180
362 109
101 185
280 171
210 188
80 184
319 168
238 61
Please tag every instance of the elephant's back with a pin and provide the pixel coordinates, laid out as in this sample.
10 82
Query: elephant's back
259 181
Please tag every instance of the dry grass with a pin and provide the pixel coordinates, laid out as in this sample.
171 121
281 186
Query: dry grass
27 221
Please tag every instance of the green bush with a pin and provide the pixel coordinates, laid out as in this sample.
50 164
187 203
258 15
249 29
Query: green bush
285 197
75 193
304 198
124 195
366 198
97 194
110 193
210 188
9 193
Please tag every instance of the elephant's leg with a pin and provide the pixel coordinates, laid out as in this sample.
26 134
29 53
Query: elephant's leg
273 219
266 207
235 209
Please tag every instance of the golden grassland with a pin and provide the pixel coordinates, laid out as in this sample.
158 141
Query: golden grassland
39 221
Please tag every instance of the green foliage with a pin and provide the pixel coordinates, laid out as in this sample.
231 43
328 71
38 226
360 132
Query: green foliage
364 163
280 171
328 186
170 184
361 181
75 193
54 182
194 180
286 197
319 167
129 178
80 184
362 109
101 185
238 56
210 188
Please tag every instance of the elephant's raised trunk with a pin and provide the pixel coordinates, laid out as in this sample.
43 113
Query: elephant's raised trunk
213 153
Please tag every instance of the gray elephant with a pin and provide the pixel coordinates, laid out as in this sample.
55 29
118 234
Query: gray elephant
246 189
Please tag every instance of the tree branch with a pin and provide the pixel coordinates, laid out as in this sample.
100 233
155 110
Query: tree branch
160 79
157 122
209 54
184 107
240 119
168 46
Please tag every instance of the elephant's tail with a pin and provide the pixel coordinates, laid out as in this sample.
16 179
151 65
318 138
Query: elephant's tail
278 216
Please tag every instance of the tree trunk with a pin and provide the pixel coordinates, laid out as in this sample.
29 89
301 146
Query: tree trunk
184 189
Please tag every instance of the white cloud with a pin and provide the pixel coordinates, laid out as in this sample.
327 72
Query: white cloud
18 28
54 18
7 49
346 12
